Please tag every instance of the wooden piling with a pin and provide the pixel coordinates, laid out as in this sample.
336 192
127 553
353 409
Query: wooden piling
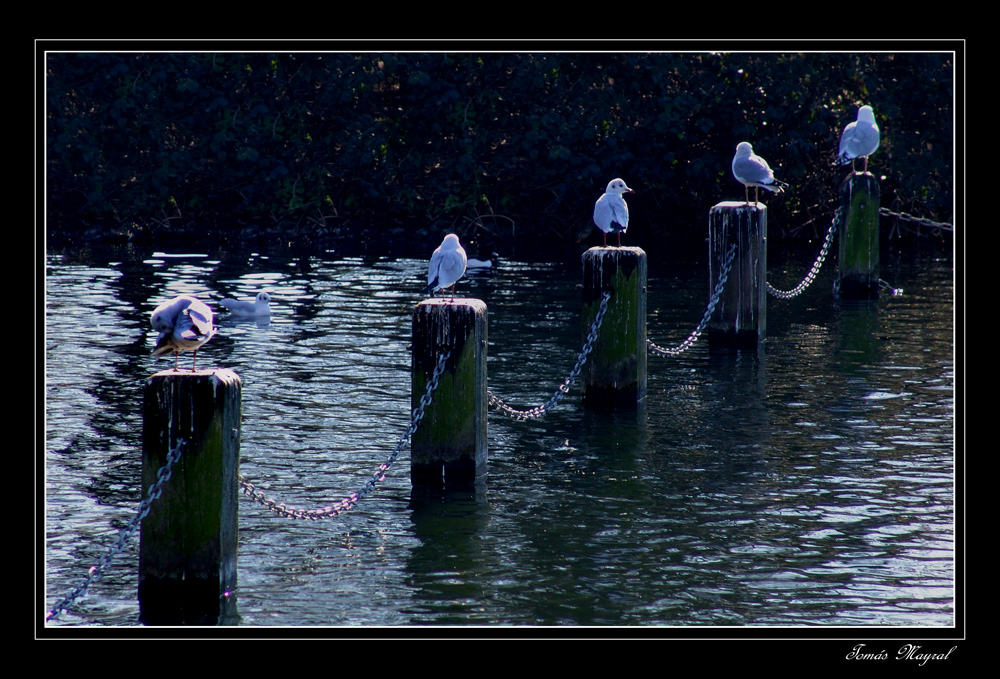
740 318
187 546
859 238
614 376
449 449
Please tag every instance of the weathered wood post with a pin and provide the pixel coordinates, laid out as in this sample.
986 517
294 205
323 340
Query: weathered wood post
859 256
740 318
614 376
449 449
187 546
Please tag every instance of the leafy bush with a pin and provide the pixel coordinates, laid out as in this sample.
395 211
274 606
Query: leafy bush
316 147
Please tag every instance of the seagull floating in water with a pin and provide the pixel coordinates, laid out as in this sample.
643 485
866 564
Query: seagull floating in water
611 210
482 263
859 140
447 265
258 307
184 324
752 170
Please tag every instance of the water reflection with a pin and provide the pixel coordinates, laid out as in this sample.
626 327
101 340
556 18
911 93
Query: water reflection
808 483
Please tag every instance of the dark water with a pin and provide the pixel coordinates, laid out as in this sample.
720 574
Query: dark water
811 483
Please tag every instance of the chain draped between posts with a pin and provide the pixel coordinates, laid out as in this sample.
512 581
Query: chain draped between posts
712 303
811 276
155 491
907 217
165 472
539 411
173 456
351 500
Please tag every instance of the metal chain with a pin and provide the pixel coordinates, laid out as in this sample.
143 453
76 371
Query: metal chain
716 294
95 572
895 292
811 276
910 218
539 411
349 502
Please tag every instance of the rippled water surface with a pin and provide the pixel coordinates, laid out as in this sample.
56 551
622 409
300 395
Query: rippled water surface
810 483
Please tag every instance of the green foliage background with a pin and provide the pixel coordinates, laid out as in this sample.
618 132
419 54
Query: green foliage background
402 147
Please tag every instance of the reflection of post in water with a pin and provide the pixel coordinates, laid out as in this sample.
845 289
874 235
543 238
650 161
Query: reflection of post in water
740 318
187 546
449 447
859 345
614 376
859 252
737 413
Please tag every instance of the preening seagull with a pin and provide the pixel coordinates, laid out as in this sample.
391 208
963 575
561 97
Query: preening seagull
259 307
611 210
184 324
447 265
752 170
859 140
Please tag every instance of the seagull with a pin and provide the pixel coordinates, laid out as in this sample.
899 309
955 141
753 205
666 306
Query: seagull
184 324
447 266
752 170
859 140
611 211
482 263
258 307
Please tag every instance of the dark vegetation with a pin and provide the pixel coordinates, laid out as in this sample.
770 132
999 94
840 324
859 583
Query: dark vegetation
330 149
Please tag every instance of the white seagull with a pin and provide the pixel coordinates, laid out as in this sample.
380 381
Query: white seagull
258 307
184 324
447 265
859 140
752 170
611 211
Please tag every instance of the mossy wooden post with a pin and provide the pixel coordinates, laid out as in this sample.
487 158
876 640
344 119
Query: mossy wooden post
614 376
187 546
740 318
449 449
859 256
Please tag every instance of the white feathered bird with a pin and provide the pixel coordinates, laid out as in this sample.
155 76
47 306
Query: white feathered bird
859 140
611 210
184 324
752 170
261 306
447 265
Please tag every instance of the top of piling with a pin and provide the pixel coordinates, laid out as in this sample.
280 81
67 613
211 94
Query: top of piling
625 249
458 301
736 204
224 375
